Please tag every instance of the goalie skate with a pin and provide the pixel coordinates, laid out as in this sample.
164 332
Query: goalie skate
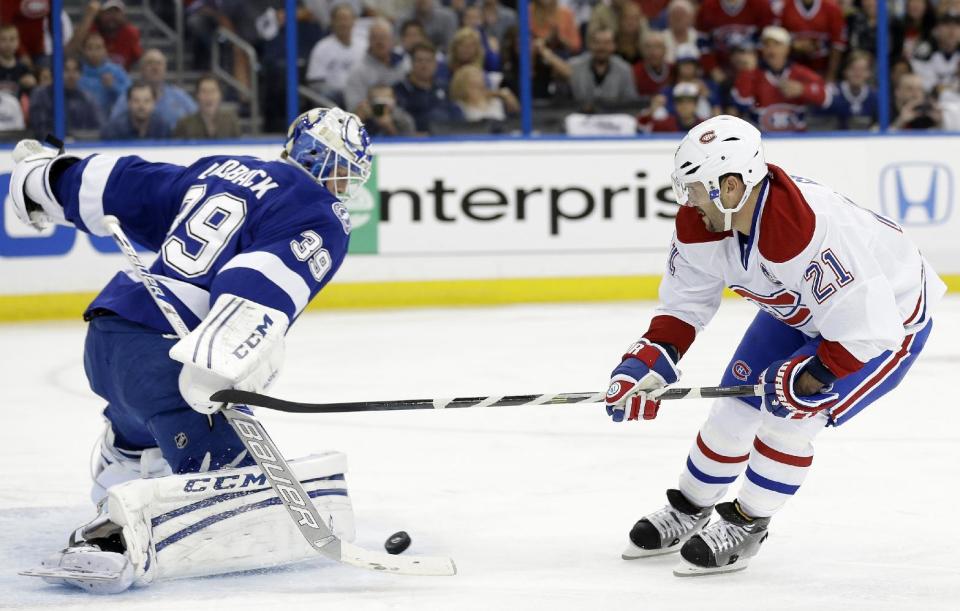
726 546
663 531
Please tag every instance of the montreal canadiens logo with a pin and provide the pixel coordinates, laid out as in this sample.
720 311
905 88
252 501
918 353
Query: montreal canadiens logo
741 371
614 389
708 137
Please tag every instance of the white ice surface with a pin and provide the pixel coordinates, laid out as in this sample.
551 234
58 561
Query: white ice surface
534 503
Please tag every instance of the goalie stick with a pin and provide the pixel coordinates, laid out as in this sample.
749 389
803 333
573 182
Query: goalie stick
252 398
274 465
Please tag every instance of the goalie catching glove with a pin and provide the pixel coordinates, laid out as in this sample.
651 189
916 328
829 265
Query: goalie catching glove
645 367
238 345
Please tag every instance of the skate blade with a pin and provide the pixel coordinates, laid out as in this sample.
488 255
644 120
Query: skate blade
685 569
63 573
635 553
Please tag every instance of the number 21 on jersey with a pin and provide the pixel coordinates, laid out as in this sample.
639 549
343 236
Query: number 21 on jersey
821 287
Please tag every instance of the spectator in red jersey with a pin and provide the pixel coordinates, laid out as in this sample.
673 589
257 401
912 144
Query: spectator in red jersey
109 19
776 94
914 27
653 73
729 23
659 118
819 34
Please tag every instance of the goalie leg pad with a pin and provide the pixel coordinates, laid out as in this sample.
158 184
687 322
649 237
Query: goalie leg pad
224 521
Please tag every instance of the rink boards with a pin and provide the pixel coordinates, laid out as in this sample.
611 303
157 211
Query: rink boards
497 221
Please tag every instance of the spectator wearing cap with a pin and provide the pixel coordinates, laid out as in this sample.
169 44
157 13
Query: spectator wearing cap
727 24
211 121
380 65
687 70
598 78
82 113
173 103
335 55
653 73
853 101
680 30
819 34
439 22
104 80
679 117
776 94
937 62
109 19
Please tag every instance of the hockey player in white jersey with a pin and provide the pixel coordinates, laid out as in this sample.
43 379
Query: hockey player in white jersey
244 244
845 304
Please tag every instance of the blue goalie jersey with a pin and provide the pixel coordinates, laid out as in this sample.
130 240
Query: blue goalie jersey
262 230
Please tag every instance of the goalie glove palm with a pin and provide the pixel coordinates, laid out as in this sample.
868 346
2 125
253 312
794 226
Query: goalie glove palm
645 367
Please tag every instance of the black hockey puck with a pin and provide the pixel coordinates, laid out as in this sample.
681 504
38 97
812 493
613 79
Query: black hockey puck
397 543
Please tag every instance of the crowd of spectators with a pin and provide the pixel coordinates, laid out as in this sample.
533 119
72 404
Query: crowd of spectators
420 67
113 89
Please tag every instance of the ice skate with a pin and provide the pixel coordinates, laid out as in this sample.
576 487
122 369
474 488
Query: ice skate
726 546
664 530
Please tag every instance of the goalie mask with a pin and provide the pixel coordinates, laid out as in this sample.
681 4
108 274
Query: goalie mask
717 147
331 145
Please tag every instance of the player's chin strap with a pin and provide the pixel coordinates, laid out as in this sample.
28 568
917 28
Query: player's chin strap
272 463
729 212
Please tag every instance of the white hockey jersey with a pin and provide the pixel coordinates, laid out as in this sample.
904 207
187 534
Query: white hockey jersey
814 260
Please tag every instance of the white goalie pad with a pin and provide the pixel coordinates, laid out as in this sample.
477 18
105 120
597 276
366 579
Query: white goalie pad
200 524
238 345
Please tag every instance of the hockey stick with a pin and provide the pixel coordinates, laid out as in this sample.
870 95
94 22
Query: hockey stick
251 398
274 465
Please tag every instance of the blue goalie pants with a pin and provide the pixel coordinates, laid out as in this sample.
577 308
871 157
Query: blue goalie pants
128 366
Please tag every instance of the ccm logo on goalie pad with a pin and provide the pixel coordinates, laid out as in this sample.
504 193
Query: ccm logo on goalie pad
255 337
224 482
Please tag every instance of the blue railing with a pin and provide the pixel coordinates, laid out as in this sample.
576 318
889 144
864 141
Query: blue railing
525 76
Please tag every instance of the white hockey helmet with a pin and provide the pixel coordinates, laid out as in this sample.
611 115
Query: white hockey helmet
330 143
719 146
